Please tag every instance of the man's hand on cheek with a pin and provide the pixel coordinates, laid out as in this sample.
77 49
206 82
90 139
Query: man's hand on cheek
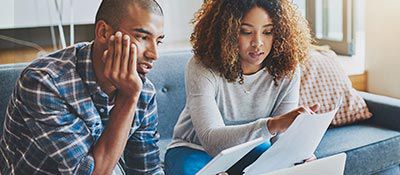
121 66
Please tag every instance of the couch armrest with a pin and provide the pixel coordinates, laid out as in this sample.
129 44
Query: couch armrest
385 110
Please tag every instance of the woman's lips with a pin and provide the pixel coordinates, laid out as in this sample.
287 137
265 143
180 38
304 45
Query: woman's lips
255 54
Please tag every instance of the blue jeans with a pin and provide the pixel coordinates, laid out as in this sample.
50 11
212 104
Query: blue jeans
188 161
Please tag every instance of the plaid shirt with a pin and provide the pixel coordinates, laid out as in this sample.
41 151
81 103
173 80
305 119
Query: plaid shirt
57 113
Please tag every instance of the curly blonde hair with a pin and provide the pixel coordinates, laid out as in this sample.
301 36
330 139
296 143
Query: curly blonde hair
216 33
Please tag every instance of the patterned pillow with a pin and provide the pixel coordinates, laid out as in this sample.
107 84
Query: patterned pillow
324 81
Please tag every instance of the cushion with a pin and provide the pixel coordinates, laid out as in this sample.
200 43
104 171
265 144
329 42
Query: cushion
324 81
370 149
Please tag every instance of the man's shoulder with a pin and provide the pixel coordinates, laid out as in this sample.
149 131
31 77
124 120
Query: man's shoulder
56 64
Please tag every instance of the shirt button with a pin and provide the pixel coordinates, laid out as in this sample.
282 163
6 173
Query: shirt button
101 110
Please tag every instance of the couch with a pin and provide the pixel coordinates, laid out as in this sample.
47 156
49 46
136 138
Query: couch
372 146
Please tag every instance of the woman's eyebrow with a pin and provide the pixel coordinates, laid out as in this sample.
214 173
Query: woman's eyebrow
247 24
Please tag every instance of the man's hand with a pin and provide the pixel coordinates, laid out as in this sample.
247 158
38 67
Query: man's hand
120 66
281 123
120 69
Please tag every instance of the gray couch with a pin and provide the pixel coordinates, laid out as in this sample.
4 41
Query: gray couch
372 147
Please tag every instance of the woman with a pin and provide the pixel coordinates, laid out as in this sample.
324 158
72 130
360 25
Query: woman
242 82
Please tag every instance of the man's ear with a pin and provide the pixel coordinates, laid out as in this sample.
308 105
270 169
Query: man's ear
103 31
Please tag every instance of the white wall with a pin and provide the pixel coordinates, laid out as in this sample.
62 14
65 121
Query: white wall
178 27
38 13
383 46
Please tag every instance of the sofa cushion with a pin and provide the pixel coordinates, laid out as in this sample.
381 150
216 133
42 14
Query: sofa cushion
168 76
324 81
369 149
8 76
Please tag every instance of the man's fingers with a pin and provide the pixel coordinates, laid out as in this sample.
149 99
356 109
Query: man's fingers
110 49
109 54
105 57
132 66
117 53
125 55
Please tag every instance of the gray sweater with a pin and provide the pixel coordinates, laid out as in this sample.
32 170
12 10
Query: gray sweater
219 114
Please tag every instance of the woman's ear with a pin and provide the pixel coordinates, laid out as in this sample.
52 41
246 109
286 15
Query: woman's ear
103 31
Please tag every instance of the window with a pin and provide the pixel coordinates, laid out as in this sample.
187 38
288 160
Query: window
331 22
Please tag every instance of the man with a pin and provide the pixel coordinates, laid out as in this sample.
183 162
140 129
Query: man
89 109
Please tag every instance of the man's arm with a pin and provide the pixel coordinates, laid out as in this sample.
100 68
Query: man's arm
54 129
142 154
120 70
62 135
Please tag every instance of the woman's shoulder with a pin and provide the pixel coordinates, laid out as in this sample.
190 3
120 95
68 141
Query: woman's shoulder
292 79
197 67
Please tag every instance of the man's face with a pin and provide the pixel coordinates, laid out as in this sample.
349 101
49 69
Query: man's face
146 32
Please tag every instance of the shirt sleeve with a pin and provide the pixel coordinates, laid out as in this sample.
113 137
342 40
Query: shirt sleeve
142 154
55 130
213 134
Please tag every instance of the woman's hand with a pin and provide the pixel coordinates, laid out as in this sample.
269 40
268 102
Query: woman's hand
312 158
282 122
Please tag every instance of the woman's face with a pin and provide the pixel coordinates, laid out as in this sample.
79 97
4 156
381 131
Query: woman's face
255 39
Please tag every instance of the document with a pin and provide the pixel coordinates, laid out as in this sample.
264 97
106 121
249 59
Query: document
298 143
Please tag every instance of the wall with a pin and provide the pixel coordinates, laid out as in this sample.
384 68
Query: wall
29 20
38 13
178 27
382 47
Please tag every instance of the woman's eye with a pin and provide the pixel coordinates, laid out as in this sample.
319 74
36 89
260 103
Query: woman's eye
245 32
268 33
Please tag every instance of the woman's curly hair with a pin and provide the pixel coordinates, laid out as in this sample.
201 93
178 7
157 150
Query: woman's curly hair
216 33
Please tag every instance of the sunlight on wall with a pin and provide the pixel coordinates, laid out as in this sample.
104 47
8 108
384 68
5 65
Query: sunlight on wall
382 47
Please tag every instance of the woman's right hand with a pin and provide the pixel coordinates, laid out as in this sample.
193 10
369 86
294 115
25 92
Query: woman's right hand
282 122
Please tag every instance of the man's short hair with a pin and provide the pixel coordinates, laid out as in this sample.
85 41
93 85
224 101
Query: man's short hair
112 11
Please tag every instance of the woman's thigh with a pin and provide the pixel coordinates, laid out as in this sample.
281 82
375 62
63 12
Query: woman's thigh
185 161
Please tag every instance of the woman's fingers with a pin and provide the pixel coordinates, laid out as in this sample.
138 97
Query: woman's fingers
315 107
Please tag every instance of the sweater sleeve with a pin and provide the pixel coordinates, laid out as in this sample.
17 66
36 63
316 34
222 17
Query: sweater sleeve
214 135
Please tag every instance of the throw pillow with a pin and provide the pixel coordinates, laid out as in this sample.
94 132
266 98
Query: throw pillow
324 81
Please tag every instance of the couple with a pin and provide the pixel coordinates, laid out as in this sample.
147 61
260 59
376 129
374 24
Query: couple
89 109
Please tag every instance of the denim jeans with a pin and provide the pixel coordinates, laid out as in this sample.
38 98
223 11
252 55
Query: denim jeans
187 161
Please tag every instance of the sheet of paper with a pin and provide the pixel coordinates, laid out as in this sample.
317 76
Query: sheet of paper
298 143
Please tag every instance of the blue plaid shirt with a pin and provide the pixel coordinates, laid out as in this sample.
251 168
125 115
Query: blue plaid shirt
57 113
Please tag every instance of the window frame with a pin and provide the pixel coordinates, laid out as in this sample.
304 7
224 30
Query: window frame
347 44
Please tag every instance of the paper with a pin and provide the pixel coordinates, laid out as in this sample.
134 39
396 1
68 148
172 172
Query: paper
298 143
332 165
